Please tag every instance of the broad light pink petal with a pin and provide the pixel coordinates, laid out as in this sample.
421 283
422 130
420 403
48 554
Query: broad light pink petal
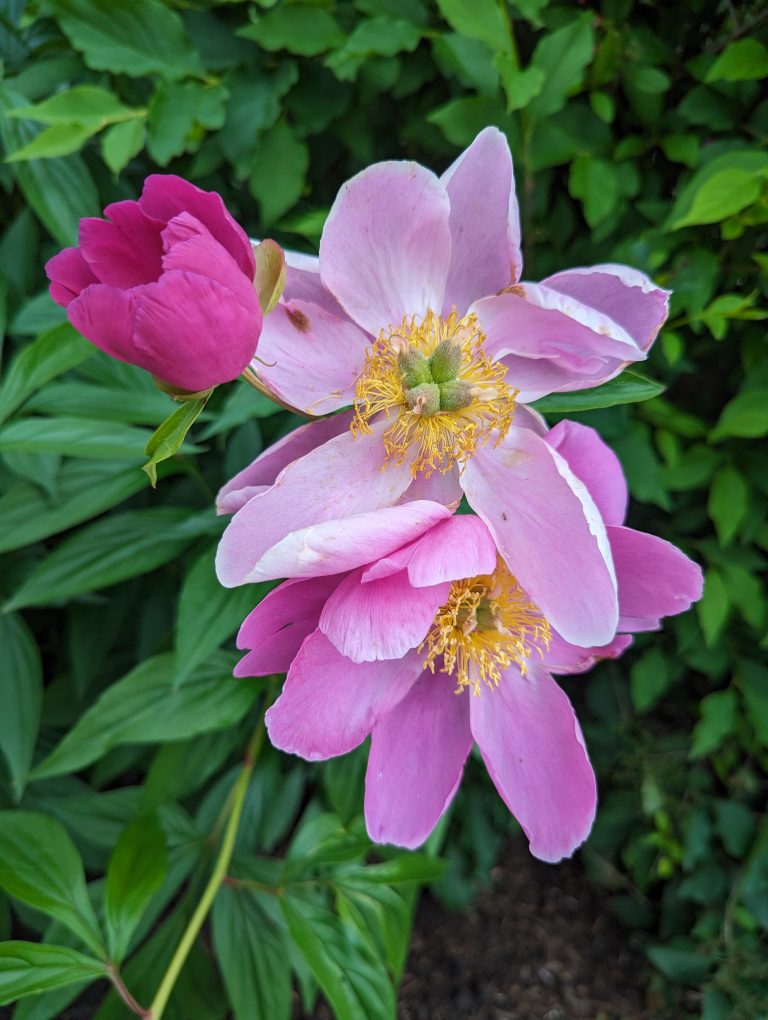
329 705
333 482
212 342
310 358
484 222
442 488
262 472
276 628
166 195
382 619
625 295
562 657
69 274
595 464
417 757
125 252
532 745
303 283
105 316
655 578
549 532
386 245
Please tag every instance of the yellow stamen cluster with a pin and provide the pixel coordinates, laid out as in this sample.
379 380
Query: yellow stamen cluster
487 624
438 438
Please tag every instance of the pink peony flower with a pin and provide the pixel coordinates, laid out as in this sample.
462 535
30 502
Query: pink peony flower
409 626
165 283
414 314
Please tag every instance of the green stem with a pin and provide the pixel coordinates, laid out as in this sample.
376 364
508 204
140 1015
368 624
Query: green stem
236 801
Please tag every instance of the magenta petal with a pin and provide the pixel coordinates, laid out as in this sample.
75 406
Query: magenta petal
69 274
194 250
532 745
193 332
417 757
263 471
333 482
165 196
625 295
484 222
655 578
276 628
386 245
310 358
381 619
329 705
562 657
595 464
125 252
105 316
549 532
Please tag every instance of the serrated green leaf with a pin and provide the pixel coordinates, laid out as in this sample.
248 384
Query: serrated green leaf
297 28
562 57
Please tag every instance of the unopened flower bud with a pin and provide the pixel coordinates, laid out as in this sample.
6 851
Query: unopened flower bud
455 395
413 367
424 399
445 361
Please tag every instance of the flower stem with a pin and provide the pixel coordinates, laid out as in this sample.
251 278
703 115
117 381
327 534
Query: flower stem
125 995
236 801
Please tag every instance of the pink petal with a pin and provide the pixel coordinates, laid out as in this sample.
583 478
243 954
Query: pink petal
165 196
276 628
303 283
329 705
655 578
625 295
460 546
69 274
484 222
562 657
262 472
126 251
386 246
193 332
549 532
333 482
534 751
442 488
310 358
416 762
382 619
595 464
105 316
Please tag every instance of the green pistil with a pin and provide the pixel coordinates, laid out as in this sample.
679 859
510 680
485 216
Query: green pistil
432 386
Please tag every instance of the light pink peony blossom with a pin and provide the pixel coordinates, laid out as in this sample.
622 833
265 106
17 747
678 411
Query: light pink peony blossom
165 283
414 314
409 626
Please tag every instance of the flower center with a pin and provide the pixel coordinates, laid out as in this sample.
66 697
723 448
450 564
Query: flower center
434 378
487 624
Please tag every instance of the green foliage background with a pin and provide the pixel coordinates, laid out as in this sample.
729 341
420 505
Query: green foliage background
639 132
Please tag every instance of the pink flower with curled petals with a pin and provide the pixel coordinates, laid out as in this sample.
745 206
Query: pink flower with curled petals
423 639
414 314
165 283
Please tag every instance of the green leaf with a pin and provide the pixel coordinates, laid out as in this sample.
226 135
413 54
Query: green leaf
297 28
83 104
347 967
56 140
650 677
167 439
179 114
460 120
722 187
743 60
252 952
208 613
628 388
478 19
122 142
147 707
375 37
753 681
596 184
681 965
520 86
40 866
21 695
136 872
717 721
562 57
728 503
135 37
277 179
714 607
53 353
270 273
109 551
75 437
28 968
745 416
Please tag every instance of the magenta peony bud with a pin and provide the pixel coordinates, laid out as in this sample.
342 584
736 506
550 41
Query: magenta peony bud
166 283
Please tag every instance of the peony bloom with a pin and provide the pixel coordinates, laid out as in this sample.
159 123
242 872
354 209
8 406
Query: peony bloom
414 315
165 283
407 624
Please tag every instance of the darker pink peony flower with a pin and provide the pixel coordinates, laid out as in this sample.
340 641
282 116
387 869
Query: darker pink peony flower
165 283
